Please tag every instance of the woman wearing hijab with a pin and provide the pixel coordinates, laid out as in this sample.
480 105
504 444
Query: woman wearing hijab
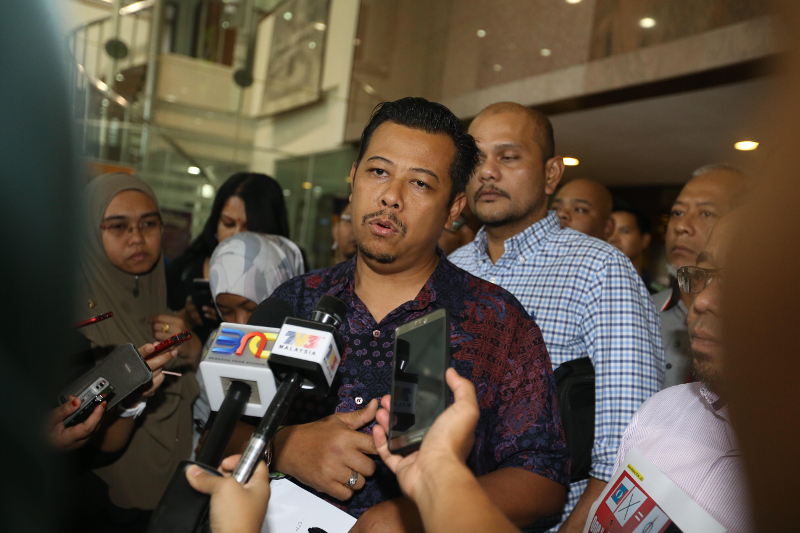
121 270
245 202
244 270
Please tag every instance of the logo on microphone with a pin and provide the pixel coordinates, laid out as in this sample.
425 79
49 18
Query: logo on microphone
301 340
233 341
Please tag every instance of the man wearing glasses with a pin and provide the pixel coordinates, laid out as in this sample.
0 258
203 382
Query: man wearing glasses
685 430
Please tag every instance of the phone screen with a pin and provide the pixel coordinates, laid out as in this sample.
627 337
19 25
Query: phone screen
419 390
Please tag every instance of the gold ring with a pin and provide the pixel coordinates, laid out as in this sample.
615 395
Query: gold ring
165 328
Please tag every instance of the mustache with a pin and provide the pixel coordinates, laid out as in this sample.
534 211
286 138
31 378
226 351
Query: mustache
391 216
490 187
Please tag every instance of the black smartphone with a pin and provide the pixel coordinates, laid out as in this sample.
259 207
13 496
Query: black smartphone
201 295
419 390
111 380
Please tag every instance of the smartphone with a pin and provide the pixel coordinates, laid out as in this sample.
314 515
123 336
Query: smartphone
123 371
419 390
98 392
183 336
201 296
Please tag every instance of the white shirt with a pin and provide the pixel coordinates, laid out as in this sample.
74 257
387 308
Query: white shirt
685 432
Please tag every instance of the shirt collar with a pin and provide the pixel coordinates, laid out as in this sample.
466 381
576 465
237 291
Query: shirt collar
713 400
437 291
528 240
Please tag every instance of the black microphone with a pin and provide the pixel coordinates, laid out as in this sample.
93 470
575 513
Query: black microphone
306 355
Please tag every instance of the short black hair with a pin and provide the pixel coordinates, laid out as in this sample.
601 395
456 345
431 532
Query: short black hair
642 222
430 117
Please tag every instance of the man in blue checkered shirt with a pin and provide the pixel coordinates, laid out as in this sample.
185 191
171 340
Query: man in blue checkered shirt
584 293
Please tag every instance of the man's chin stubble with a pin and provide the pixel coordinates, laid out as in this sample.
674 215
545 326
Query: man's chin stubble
383 259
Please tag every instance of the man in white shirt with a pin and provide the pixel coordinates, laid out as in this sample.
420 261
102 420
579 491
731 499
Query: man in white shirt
685 430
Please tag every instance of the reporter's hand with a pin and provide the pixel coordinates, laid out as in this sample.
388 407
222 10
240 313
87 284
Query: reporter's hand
235 508
189 350
324 454
155 363
449 439
70 438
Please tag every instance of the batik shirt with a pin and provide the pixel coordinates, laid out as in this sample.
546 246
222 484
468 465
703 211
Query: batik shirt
494 343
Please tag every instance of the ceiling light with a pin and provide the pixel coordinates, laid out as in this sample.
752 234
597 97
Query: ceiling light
207 190
287 15
545 52
481 33
573 1
306 185
193 170
319 26
746 145
369 89
287 192
312 45
497 68
318 189
571 162
647 22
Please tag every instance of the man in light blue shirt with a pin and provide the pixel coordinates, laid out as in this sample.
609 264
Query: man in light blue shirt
583 293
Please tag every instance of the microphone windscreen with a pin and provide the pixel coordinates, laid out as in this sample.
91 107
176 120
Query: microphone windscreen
271 313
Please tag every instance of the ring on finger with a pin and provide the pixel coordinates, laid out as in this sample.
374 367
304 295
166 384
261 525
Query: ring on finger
353 480
165 328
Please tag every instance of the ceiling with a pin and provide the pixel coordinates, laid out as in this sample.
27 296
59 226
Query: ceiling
660 141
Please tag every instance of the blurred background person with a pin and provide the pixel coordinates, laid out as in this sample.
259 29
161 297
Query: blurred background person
344 240
243 271
711 193
686 429
121 270
460 232
245 202
585 206
632 235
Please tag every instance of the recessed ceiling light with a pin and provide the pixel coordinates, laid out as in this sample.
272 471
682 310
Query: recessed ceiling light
312 45
647 22
193 170
306 185
481 33
497 68
207 190
287 15
573 1
320 26
571 162
545 52
746 145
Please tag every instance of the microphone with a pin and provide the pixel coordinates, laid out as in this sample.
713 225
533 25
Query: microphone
306 355
240 352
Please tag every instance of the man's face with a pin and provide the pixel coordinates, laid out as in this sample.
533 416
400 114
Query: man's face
401 196
627 237
701 203
580 206
512 182
705 319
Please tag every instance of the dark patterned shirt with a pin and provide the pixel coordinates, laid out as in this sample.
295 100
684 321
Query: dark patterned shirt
494 343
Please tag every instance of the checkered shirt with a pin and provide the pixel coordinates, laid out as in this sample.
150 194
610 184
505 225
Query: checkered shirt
588 300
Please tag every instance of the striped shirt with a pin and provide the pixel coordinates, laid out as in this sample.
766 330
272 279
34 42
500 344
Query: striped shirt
685 432
588 300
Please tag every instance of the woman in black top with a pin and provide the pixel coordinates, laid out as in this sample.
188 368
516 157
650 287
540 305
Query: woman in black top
245 202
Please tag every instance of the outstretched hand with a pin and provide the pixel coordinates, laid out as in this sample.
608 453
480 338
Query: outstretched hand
70 438
235 508
449 439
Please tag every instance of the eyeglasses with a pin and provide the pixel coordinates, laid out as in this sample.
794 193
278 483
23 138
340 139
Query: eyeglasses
148 225
692 279
456 225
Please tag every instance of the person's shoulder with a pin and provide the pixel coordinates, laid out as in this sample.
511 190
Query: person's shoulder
304 290
574 244
463 254
670 401
481 296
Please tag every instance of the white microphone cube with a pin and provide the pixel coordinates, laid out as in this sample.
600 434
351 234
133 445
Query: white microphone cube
239 352
309 348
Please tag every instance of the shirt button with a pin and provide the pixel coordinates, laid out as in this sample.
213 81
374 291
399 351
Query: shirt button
493 279
521 259
376 333
669 365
